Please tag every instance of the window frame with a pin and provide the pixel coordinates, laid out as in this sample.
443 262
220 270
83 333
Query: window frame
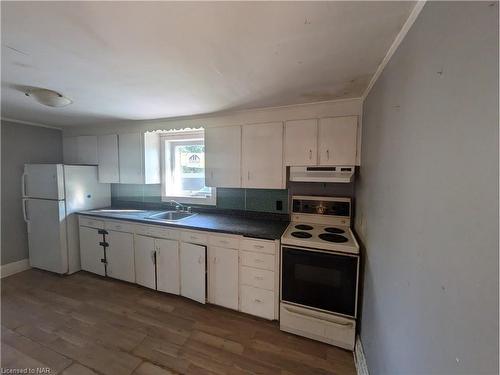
182 136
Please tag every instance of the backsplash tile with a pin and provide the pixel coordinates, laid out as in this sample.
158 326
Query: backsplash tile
231 198
264 200
260 200
152 193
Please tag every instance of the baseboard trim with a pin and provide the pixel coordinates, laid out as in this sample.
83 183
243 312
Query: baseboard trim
359 358
14 267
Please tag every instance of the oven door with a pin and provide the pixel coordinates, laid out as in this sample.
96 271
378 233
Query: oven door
319 279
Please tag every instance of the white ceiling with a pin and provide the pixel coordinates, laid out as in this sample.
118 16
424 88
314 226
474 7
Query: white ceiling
147 60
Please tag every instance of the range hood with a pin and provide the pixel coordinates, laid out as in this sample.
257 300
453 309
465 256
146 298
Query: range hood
342 174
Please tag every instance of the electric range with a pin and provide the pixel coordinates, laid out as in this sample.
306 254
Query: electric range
320 271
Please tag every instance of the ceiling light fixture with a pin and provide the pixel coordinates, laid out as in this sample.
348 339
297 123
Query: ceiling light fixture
48 97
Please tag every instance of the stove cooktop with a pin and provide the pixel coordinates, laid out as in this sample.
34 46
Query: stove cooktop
321 236
331 237
301 234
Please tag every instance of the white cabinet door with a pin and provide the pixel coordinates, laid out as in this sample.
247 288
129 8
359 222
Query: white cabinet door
192 261
120 256
151 160
107 152
91 253
86 149
337 140
130 156
167 266
262 156
223 156
144 251
139 158
301 138
223 274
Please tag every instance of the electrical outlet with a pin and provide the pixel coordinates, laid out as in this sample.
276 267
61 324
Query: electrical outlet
279 205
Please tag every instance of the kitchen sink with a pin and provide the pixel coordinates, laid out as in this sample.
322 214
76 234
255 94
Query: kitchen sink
170 216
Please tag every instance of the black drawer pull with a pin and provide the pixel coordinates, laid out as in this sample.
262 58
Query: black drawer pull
104 244
104 261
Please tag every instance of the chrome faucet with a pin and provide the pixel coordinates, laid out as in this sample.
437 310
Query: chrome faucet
178 206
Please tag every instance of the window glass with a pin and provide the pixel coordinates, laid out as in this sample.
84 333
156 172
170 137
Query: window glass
184 169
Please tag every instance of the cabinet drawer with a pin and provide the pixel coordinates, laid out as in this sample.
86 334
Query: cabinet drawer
158 232
316 325
194 237
92 223
119 226
224 241
258 278
257 301
261 246
257 260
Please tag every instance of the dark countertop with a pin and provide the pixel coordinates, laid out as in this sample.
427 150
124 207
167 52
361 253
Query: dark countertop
265 228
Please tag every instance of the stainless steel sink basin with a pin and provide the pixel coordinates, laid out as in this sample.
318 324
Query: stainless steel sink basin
171 216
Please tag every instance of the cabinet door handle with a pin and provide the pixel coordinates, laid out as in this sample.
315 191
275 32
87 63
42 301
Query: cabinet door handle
310 154
248 175
153 256
215 260
327 154
259 278
258 261
258 246
257 300
200 259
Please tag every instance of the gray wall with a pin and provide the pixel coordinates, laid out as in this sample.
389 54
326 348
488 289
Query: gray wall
427 198
21 144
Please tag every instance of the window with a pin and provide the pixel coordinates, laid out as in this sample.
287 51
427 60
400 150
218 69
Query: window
183 178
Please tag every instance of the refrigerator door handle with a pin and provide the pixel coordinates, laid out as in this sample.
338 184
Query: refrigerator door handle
25 214
23 184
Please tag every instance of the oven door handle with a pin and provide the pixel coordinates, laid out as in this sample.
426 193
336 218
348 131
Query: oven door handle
301 313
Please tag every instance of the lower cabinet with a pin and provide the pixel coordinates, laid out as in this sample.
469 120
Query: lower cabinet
120 256
259 278
157 264
223 276
193 271
257 301
167 266
236 273
145 258
91 251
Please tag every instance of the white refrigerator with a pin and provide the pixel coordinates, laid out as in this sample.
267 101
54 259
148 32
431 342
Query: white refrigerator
52 193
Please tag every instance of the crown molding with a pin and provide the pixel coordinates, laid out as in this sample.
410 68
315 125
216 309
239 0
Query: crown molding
395 44
30 123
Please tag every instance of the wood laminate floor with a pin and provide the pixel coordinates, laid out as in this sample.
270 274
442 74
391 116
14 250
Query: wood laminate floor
84 324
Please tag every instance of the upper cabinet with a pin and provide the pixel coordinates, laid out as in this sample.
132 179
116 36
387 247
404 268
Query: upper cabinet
262 156
107 151
223 157
80 150
337 138
139 158
301 138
